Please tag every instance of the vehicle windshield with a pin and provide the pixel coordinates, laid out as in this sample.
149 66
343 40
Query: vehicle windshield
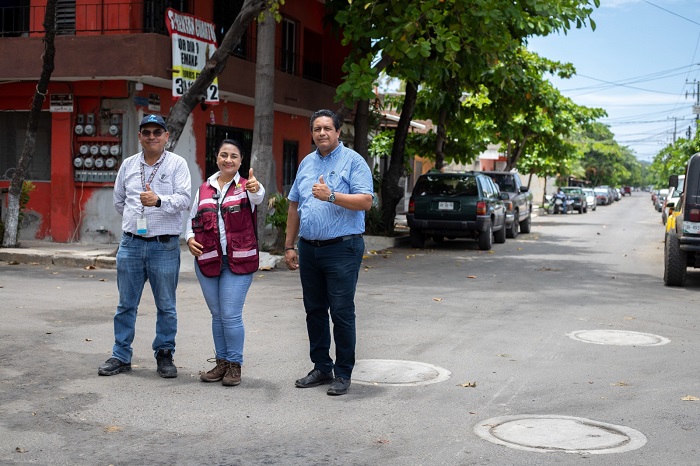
505 182
446 185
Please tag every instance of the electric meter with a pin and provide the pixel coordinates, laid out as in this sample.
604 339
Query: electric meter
111 162
104 149
99 162
94 150
115 150
78 162
89 162
84 149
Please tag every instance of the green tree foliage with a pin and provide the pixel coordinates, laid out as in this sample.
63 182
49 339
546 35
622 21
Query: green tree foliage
672 160
605 161
447 45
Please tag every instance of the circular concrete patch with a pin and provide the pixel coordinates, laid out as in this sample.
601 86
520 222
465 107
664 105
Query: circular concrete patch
392 372
568 434
618 337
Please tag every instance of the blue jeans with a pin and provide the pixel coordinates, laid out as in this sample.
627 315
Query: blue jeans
225 296
137 262
328 280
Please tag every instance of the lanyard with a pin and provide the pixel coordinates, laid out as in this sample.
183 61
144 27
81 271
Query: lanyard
150 178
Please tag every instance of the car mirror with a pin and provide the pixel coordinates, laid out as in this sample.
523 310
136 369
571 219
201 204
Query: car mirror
524 189
670 205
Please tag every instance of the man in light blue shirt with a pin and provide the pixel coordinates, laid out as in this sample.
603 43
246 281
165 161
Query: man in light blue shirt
327 205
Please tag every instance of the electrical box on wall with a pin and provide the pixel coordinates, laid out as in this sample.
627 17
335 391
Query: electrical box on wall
98 146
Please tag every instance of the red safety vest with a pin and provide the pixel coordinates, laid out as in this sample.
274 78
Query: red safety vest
239 223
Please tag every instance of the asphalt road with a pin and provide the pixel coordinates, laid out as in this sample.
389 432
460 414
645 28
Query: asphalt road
498 320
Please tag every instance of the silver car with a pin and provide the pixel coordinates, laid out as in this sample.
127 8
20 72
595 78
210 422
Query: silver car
590 198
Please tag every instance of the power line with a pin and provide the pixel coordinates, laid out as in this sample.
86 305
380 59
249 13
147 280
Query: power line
671 12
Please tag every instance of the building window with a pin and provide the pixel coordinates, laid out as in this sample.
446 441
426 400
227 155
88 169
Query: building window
65 17
216 134
154 14
14 18
289 46
225 13
313 56
13 132
290 163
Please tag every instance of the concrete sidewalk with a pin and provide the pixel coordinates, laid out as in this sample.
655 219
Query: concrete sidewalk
104 255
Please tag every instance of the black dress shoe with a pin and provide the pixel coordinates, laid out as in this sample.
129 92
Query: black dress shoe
113 366
314 379
339 386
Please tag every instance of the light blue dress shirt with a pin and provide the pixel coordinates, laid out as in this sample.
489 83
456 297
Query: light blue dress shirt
344 171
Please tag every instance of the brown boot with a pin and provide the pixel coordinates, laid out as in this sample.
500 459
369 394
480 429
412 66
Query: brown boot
217 373
233 374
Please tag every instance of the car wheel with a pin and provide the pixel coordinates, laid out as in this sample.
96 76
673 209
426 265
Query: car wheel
514 229
438 238
416 238
485 238
525 225
500 236
595 206
675 261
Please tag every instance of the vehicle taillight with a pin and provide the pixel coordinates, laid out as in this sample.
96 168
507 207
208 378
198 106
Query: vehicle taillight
481 208
694 214
411 206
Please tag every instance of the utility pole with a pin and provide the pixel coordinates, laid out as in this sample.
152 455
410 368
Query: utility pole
696 107
675 121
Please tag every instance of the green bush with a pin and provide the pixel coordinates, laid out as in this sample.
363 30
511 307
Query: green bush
278 204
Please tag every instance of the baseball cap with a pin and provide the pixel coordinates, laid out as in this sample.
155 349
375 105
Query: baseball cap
153 119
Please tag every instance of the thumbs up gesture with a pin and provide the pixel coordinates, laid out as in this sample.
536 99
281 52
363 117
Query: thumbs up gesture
320 190
148 197
252 184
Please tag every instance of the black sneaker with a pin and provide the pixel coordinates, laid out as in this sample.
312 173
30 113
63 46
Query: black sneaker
314 379
339 386
166 368
113 366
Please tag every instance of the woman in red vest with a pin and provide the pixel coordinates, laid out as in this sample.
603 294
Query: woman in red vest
223 238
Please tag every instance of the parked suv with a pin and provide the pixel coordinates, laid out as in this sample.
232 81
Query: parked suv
579 198
457 205
519 203
682 245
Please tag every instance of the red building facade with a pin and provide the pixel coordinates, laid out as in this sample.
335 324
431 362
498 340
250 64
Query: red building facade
113 65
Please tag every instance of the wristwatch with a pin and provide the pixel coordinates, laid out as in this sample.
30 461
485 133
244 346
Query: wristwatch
331 198
158 203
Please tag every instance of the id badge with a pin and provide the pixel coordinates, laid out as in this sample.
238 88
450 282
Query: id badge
141 226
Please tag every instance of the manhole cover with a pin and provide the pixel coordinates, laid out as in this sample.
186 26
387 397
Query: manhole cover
549 433
618 337
392 372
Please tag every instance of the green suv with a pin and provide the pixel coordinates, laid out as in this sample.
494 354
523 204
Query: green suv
457 205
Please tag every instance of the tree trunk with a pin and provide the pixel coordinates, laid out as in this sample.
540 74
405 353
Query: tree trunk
214 67
262 160
361 144
391 191
440 140
15 191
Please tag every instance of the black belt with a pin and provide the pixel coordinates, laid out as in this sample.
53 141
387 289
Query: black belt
160 239
327 242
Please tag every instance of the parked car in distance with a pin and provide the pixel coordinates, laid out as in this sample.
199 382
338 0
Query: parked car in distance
627 190
682 242
590 198
519 203
456 205
669 208
660 198
603 195
577 195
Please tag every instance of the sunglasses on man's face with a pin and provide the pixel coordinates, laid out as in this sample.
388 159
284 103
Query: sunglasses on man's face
156 133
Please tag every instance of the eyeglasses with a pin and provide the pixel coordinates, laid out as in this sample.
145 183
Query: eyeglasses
156 133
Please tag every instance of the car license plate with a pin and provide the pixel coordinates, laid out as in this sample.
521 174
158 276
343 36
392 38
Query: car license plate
691 227
446 205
